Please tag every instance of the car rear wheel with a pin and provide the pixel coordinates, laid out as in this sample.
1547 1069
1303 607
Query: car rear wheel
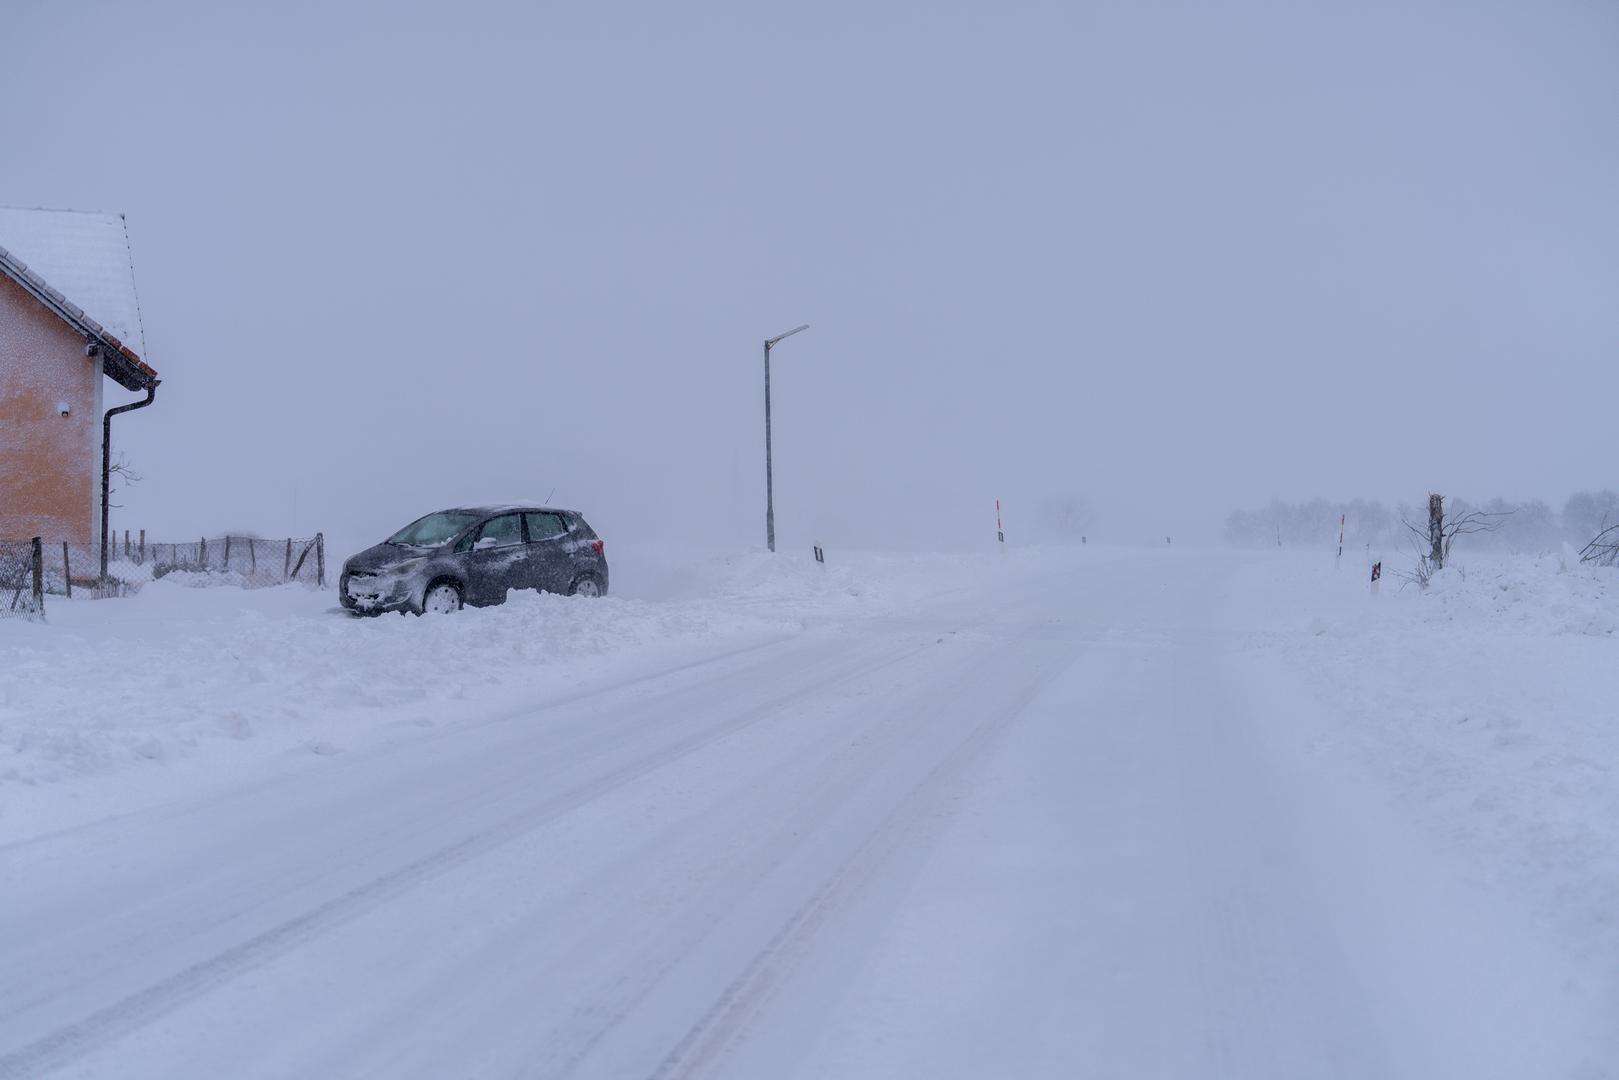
442 598
585 586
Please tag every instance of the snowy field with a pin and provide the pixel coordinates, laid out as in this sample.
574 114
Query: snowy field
1047 813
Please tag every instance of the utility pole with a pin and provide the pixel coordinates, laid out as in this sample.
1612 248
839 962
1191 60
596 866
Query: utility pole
770 482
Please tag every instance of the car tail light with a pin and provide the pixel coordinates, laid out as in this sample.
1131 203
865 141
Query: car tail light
600 546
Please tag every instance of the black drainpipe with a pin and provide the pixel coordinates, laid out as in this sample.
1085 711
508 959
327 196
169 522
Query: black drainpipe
106 464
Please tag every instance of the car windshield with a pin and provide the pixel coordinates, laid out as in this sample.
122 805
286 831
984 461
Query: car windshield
434 530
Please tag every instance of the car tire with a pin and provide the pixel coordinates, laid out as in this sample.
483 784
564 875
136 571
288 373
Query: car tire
440 598
585 585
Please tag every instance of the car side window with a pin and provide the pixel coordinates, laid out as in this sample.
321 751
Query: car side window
544 526
505 530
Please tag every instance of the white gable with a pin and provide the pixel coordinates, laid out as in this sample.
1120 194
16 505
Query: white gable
83 256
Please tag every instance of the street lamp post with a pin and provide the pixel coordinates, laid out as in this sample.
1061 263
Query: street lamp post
770 489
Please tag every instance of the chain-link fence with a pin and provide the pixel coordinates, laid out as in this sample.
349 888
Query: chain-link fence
32 569
22 580
247 561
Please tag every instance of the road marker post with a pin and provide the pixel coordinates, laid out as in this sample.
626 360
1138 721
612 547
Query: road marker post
1000 533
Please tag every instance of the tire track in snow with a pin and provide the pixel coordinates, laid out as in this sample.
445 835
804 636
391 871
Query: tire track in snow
832 782
205 871
911 820
134 1011
449 732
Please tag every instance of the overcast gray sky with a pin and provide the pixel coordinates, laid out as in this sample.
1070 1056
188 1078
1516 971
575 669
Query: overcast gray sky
1172 257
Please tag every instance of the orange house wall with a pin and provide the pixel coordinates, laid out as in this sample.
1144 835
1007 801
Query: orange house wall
49 464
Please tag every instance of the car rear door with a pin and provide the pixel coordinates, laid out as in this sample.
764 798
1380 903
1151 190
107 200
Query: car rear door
547 540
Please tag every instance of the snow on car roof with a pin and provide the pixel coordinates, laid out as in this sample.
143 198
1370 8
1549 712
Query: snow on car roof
505 507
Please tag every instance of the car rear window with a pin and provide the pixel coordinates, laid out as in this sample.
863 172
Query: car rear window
545 526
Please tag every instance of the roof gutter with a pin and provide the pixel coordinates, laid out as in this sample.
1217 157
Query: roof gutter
106 461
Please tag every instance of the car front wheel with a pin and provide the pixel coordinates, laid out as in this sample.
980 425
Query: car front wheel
442 598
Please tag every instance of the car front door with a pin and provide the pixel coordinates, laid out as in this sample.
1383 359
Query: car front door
547 540
497 560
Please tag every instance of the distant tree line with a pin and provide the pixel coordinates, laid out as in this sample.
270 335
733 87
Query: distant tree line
1525 526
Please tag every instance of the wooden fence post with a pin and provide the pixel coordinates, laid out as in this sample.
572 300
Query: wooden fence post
39 576
303 556
67 571
320 559
252 557
202 555
286 567
143 547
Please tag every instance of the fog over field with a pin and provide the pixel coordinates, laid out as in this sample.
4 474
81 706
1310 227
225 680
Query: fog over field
643 799
1166 259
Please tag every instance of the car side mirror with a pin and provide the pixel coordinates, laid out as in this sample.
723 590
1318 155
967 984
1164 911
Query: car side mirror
485 543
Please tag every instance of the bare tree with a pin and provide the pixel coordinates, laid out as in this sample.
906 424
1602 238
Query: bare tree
1435 539
1588 512
121 476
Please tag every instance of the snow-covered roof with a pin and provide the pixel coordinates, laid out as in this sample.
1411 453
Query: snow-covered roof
79 264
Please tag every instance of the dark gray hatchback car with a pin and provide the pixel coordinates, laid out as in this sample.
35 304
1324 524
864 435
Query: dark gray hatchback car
473 556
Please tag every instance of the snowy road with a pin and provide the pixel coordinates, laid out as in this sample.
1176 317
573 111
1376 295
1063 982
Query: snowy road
1064 830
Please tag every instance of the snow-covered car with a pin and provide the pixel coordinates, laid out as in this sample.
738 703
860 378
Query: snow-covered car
474 555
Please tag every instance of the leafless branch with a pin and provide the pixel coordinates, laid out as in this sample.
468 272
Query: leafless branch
1476 521
121 476
1603 550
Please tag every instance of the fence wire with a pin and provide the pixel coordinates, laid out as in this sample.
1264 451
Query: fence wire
250 562
22 593
31 569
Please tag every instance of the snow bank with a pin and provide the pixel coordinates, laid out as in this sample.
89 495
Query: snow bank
1491 701
1543 596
